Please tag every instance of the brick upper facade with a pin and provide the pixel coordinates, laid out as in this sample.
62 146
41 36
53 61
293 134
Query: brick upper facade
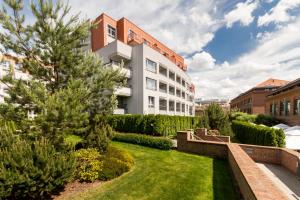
253 101
127 32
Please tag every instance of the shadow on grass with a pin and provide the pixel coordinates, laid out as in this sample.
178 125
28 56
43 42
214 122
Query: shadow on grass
223 182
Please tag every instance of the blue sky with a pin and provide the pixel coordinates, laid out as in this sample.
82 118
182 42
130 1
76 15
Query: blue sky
229 45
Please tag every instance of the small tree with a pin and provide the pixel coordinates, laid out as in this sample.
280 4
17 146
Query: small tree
68 87
218 119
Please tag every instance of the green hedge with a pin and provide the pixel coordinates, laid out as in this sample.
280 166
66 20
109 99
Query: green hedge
256 134
159 125
144 140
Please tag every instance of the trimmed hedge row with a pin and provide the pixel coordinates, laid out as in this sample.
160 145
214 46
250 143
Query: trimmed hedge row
159 125
248 133
144 140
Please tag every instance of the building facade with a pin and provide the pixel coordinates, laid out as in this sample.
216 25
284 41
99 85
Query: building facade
157 82
284 103
253 101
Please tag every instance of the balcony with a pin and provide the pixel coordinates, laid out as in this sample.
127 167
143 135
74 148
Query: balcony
116 51
119 111
117 65
124 91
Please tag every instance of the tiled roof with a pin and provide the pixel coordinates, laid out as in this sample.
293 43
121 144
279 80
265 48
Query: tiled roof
271 83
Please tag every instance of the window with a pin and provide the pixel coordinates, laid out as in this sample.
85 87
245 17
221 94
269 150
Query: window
163 87
150 84
162 104
183 83
281 108
151 65
183 108
171 105
287 108
171 90
172 75
111 31
275 109
178 79
163 71
297 106
191 110
178 93
183 95
177 106
151 102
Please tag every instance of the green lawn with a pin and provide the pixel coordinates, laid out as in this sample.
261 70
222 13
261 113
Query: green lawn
166 175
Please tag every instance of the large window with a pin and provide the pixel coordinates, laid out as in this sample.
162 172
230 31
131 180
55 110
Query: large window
171 105
183 83
171 75
287 108
281 108
151 102
171 90
151 84
163 71
111 31
178 93
297 106
178 79
183 95
183 107
178 108
151 65
162 104
163 87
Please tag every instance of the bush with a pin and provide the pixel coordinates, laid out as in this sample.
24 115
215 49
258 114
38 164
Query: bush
88 164
99 138
260 135
267 120
144 140
218 119
31 169
115 163
240 116
158 125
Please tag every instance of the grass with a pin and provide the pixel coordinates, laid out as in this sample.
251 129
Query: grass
166 175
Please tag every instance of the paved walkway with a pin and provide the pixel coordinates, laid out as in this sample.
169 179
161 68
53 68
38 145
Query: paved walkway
285 180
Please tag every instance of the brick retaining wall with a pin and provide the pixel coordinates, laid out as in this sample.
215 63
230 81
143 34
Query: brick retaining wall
253 183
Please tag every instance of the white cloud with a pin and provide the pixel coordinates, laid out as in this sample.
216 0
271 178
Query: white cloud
277 56
201 61
279 13
183 26
242 13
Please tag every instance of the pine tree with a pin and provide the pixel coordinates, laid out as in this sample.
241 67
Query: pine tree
68 88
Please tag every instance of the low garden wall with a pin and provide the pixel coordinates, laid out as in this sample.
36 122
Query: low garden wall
253 183
202 133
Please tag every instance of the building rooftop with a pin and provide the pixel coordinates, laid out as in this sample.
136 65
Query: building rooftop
272 83
288 86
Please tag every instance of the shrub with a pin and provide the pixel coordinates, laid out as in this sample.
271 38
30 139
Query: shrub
115 163
158 125
88 164
144 140
99 138
31 169
267 120
240 116
218 119
260 135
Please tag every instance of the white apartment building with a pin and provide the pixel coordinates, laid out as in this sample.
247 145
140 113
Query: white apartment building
156 83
